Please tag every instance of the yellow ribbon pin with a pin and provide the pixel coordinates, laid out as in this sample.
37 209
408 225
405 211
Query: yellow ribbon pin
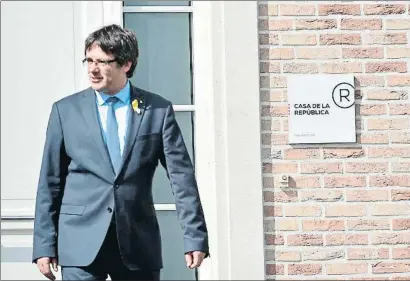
135 106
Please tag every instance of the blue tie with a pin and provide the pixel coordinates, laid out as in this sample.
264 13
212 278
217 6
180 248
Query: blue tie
113 141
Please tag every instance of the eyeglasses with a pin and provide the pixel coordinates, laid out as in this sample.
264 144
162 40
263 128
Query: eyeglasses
100 63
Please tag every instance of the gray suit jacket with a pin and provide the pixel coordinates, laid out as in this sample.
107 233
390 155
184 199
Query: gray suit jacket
78 188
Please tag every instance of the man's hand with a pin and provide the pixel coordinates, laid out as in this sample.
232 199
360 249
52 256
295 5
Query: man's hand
194 259
43 265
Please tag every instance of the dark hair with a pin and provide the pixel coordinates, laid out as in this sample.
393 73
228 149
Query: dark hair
121 43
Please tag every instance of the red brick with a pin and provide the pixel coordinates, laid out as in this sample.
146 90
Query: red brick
272 211
269 67
388 124
275 269
347 268
400 167
279 24
395 180
287 256
340 39
401 253
396 66
342 67
296 10
398 81
315 53
386 94
304 182
373 138
363 53
398 278
320 168
302 211
366 167
322 254
281 53
275 111
323 225
304 269
391 267
345 210
286 225
397 53
370 80
279 224
277 82
372 109
317 24
359 225
271 96
360 24
267 181
280 196
271 153
384 38
345 181
343 153
305 240
390 152
274 239
268 39
390 209
339 9
399 109
400 137
321 195
298 39
366 195
268 9
346 239
300 68
401 224
271 125
280 168
400 195
274 139
367 253
301 154
384 9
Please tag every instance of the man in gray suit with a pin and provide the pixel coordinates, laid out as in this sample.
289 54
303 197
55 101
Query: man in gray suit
94 211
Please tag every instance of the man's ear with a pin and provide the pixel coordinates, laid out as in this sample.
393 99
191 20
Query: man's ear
127 66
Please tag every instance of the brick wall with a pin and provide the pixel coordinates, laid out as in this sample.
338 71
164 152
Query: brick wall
346 215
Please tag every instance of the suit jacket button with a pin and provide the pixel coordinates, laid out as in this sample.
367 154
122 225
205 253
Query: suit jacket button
109 210
116 186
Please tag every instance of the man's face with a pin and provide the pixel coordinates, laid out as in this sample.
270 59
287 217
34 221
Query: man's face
106 77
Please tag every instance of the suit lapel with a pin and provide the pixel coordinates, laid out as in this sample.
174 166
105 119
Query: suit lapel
89 111
134 123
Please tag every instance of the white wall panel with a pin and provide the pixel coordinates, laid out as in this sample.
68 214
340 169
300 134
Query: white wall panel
36 69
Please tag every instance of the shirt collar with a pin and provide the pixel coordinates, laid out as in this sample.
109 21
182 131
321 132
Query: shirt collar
123 95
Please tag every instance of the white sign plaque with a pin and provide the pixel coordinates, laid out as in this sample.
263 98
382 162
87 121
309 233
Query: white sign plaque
321 108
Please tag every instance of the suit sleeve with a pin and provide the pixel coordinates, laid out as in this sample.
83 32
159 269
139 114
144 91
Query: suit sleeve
180 171
49 190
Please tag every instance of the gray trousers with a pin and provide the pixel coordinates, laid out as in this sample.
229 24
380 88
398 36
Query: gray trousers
108 262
